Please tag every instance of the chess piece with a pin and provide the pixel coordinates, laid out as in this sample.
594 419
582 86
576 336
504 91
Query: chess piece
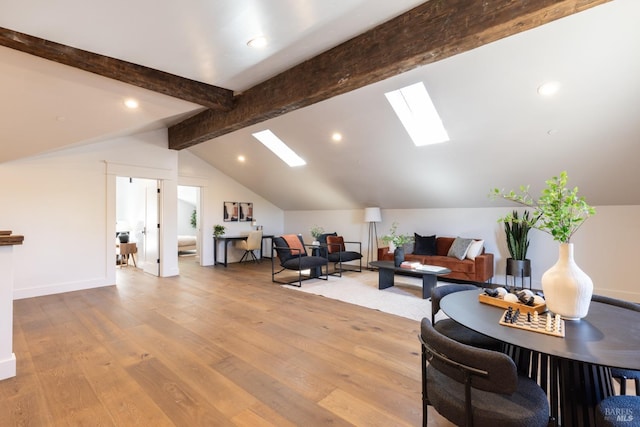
491 292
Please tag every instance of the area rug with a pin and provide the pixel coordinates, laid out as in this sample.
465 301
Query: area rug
403 299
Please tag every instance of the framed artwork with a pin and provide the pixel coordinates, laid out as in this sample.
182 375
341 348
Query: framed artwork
230 211
237 211
246 212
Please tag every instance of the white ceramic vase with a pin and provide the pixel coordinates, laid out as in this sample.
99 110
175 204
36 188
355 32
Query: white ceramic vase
567 289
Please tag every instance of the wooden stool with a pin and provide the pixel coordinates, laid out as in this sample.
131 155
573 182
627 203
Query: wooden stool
128 250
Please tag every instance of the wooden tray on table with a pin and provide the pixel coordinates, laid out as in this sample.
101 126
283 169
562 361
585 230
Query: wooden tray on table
499 302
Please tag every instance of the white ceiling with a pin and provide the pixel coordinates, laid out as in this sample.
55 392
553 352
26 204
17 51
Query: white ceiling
499 126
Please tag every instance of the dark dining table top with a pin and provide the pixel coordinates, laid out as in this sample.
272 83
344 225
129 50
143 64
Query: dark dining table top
608 335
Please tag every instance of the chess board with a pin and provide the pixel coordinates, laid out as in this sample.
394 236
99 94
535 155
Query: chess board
540 326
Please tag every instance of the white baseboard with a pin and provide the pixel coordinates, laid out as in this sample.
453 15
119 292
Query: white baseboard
59 288
8 367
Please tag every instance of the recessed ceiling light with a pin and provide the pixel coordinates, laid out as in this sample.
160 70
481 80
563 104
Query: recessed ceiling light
131 103
416 111
548 88
241 158
257 42
337 137
279 148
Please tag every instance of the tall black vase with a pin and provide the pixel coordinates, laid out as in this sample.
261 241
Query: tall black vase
398 256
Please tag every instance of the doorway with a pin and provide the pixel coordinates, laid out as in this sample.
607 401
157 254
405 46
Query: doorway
189 230
137 213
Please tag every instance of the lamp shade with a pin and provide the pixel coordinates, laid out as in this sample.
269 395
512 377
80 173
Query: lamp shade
372 215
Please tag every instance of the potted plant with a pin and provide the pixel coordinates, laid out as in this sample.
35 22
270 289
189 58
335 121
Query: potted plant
396 242
516 229
194 221
316 232
560 212
218 230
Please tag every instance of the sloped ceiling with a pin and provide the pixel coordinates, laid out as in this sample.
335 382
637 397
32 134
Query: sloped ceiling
502 132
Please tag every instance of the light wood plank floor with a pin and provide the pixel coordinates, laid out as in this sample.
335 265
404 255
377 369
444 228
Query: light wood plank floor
212 347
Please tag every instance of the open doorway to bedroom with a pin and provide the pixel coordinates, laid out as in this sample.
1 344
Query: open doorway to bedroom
137 217
189 223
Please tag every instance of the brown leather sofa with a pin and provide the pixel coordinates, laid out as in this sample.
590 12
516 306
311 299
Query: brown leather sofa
478 270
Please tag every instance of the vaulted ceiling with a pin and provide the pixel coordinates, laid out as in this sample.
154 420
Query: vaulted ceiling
502 132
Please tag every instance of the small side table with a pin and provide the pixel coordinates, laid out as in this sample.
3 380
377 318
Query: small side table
128 250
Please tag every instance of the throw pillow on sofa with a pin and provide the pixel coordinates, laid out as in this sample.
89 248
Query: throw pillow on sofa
424 245
475 249
459 248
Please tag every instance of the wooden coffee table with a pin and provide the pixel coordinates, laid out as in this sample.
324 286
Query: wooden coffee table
429 273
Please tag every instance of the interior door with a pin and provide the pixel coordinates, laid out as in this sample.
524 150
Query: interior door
152 229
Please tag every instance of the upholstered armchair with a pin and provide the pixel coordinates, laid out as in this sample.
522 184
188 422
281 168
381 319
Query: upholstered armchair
292 255
337 253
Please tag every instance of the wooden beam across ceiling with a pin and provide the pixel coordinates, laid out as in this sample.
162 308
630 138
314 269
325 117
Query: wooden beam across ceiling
210 96
428 33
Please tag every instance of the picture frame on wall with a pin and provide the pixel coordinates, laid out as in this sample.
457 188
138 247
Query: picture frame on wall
230 211
246 212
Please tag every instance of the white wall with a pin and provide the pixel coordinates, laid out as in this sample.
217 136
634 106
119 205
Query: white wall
188 198
604 247
216 189
64 205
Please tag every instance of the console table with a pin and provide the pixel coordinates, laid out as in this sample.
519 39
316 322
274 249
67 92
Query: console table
226 240
387 270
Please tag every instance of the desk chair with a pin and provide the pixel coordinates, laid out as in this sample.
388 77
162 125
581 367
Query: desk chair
619 374
471 386
253 243
453 329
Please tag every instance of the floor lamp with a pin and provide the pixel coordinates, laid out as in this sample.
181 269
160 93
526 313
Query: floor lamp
372 216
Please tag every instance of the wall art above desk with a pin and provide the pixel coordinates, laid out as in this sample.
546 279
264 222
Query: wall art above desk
238 211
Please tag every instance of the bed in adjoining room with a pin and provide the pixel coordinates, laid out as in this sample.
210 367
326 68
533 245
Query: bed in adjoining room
186 243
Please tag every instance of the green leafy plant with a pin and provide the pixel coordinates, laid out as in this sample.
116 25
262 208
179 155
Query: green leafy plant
517 229
316 231
193 219
398 240
558 211
218 230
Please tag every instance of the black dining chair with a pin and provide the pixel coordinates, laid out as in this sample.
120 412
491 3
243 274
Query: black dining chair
453 329
472 386
619 374
618 411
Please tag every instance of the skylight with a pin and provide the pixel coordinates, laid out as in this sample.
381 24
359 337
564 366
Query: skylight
417 113
279 148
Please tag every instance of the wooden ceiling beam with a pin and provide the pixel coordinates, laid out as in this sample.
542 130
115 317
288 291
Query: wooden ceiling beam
209 96
428 33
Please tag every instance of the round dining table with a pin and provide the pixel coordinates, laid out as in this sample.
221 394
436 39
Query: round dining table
574 369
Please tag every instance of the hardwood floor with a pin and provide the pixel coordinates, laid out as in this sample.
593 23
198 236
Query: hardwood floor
212 347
